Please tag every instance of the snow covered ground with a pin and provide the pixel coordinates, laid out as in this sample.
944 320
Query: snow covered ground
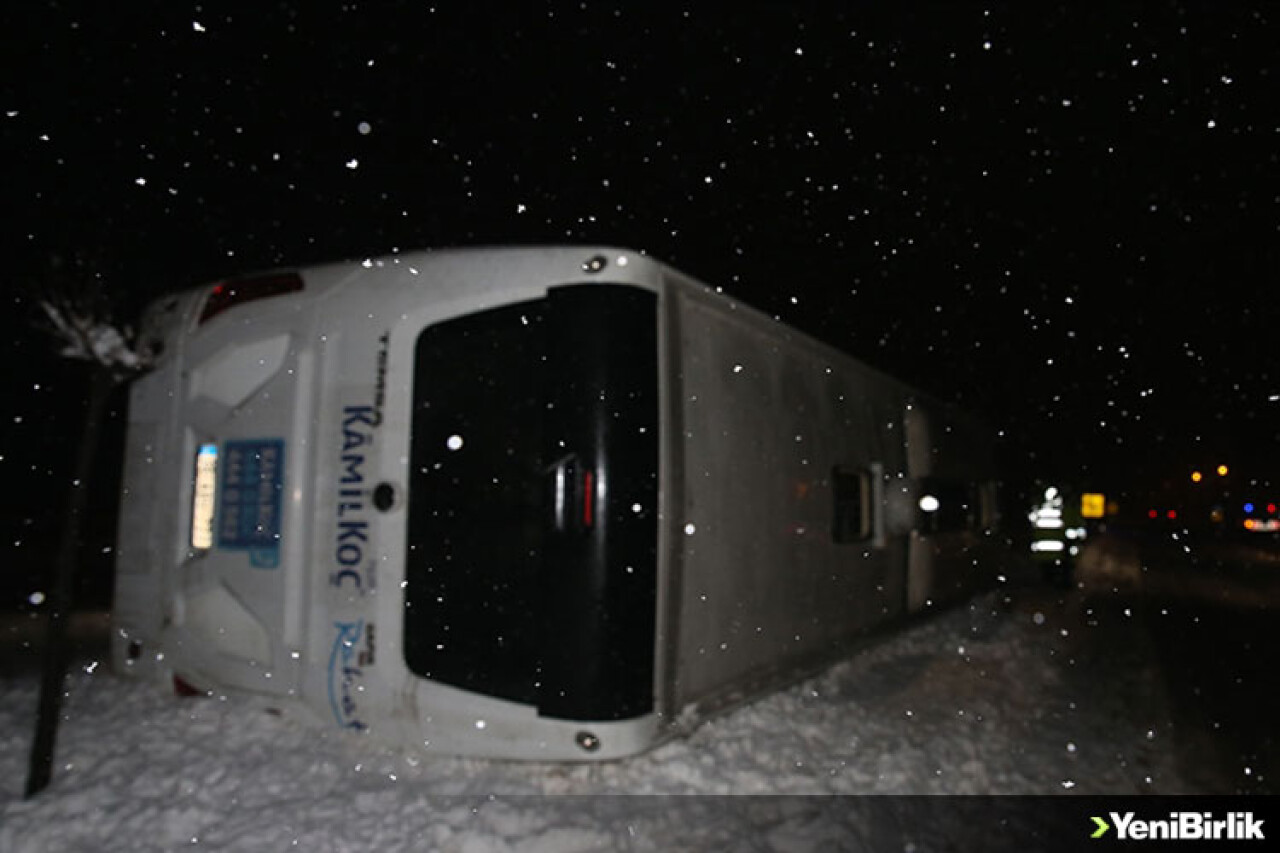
1007 694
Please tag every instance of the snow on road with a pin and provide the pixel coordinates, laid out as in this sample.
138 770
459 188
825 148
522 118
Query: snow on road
996 696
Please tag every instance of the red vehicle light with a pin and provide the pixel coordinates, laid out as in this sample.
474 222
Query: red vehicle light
228 294
588 499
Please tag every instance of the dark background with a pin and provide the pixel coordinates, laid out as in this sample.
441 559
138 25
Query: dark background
1064 217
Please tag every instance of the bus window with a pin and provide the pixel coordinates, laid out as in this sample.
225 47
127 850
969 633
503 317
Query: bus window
851 489
475 541
531 572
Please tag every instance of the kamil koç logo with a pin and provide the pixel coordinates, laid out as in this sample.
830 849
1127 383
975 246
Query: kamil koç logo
1179 826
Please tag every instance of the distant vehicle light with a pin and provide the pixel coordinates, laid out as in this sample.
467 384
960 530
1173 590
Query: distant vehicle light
1171 514
1222 470
1151 513
1271 509
1196 476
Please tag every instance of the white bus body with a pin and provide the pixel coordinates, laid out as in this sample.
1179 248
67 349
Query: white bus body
551 503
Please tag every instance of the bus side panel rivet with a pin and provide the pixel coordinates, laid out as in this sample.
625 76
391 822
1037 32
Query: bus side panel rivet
588 741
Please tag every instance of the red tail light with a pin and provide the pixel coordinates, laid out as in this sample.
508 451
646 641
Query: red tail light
228 294
588 499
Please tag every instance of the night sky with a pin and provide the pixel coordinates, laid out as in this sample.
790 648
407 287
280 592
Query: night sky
1063 217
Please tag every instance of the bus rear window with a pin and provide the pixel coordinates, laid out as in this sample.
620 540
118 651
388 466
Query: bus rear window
475 545
532 548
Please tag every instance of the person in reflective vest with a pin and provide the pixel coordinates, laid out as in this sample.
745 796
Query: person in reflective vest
1057 531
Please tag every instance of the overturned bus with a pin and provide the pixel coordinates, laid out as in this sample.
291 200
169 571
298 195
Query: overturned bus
553 503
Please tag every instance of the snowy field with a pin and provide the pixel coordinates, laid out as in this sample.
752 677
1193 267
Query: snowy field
1003 695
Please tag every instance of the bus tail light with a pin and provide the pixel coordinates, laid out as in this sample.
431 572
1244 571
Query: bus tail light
228 294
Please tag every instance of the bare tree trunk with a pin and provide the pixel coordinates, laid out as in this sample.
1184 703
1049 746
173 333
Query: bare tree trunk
62 586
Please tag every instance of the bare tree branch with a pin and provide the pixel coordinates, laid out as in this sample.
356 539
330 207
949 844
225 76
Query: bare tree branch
90 338
77 312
